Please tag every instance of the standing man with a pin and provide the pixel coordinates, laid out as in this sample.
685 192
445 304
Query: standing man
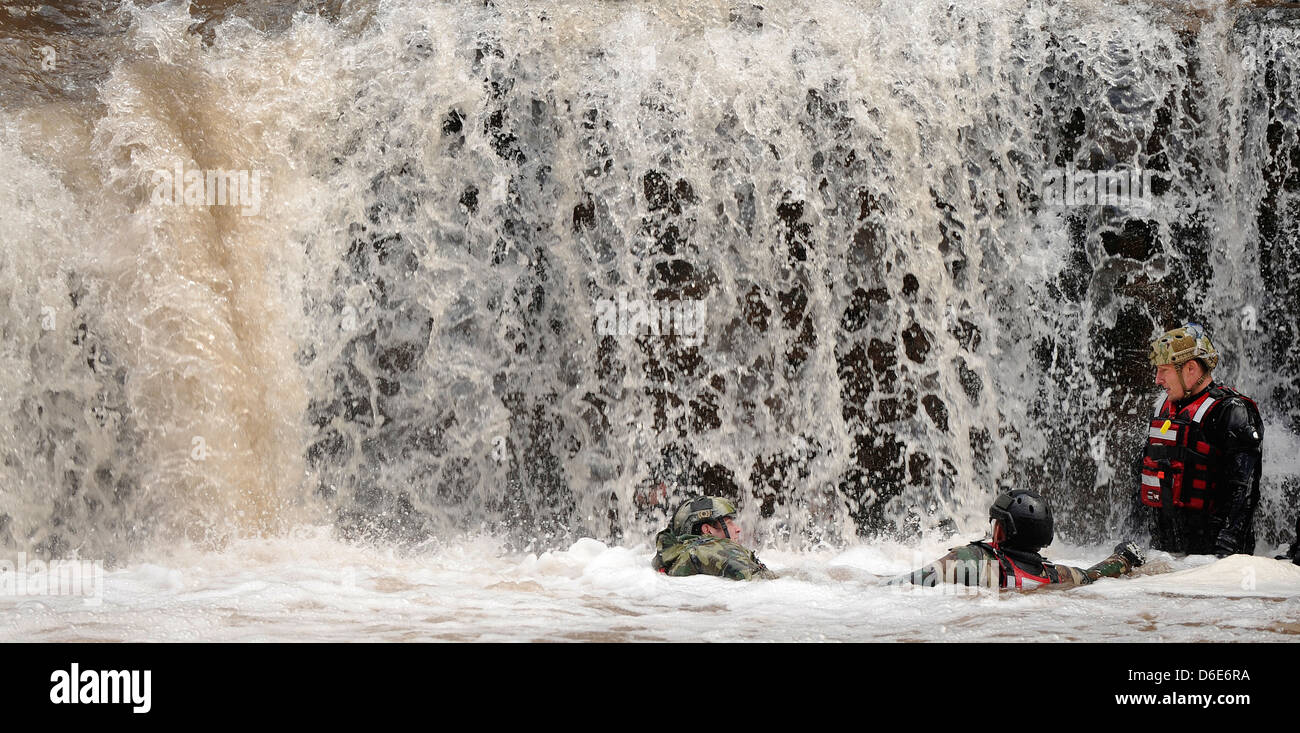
1201 467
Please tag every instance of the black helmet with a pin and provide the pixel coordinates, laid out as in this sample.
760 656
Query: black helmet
1026 519
694 512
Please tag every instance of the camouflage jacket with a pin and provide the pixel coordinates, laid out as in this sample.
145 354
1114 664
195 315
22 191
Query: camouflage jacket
701 555
981 564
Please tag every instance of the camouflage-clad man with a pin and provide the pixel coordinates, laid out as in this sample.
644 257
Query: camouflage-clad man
1022 525
704 538
1202 463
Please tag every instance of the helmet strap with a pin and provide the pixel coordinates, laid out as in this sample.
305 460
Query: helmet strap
720 524
1187 391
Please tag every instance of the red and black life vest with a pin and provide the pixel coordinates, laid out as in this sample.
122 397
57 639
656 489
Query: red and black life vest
1025 574
1176 467
1014 576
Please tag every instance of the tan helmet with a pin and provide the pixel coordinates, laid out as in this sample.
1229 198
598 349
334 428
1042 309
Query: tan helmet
1183 344
699 510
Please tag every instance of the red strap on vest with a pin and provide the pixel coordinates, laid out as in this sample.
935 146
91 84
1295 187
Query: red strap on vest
1019 574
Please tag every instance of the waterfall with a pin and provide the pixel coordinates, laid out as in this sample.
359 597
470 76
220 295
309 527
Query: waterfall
505 267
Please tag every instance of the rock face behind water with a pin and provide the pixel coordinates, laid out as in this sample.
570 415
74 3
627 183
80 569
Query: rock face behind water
518 263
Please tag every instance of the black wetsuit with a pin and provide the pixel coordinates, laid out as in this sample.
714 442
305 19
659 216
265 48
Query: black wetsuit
1228 527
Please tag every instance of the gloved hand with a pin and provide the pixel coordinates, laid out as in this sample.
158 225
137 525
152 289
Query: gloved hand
1129 550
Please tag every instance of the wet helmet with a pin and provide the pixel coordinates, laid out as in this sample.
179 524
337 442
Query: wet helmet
1026 519
1181 345
694 512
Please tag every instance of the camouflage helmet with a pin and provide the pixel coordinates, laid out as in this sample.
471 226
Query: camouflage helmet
694 512
1183 344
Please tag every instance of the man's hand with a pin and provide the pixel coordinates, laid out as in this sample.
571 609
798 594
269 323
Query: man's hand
1129 550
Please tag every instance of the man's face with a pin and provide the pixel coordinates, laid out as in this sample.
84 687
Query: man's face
996 532
1167 378
715 528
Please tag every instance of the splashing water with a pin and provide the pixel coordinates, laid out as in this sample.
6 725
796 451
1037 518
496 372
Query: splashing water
426 310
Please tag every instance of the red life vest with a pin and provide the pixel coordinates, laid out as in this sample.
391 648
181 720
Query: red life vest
1176 465
1012 575
1019 578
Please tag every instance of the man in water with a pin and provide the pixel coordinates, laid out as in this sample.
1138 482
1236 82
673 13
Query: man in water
1201 466
704 538
1021 526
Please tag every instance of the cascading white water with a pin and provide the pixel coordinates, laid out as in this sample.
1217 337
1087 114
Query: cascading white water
403 334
